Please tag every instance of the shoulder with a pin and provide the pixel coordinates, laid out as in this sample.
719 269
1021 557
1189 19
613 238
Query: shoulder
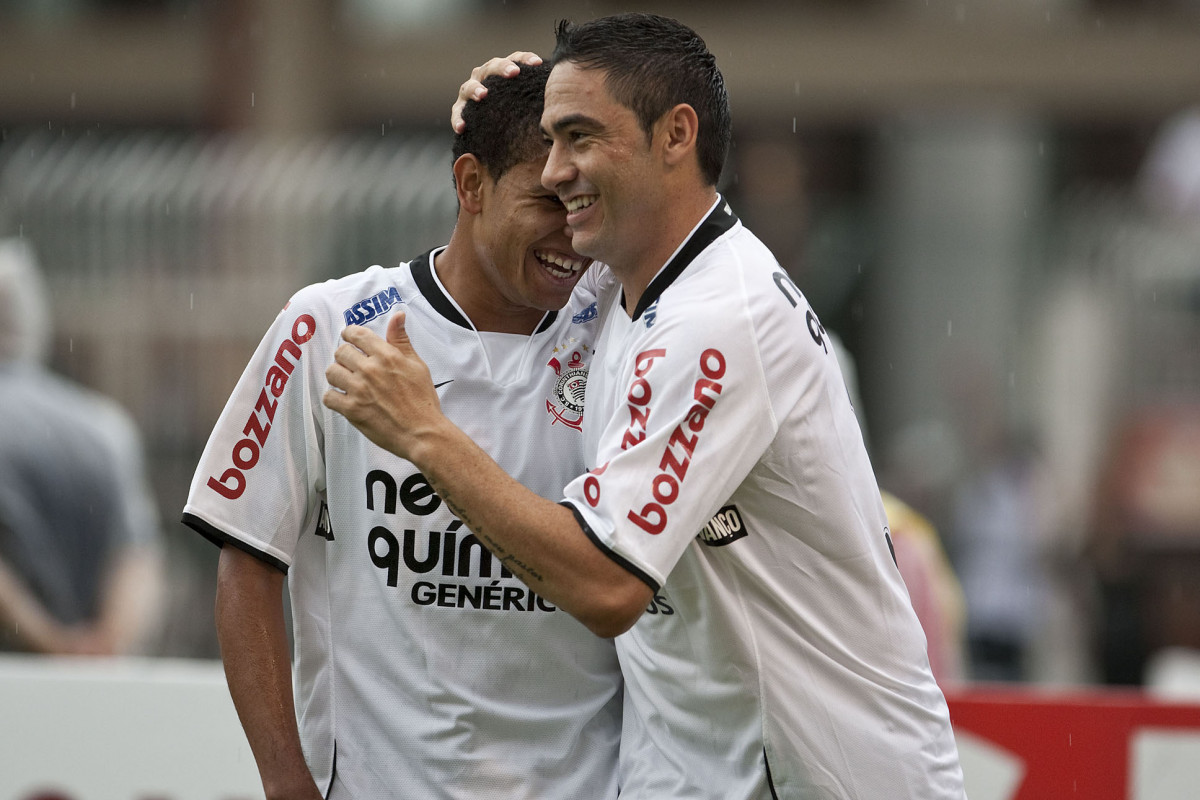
87 413
357 298
730 286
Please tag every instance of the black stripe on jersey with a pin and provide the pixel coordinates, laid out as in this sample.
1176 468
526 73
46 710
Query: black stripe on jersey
422 271
770 782
718 222
620 559
220 538
332 772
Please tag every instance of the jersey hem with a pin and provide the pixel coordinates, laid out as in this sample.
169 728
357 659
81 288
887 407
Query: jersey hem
220 538
623 562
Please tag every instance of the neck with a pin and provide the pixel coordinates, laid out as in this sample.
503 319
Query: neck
462 275
680 216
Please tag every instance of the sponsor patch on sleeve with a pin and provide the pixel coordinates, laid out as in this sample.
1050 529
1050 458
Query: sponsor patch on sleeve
724 528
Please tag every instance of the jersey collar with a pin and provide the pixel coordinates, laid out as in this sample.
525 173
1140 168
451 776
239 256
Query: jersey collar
431 289
719 220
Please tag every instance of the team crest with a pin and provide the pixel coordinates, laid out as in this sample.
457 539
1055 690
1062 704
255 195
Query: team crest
566 404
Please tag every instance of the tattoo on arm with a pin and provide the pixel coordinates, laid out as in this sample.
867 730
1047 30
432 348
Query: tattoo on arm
514 564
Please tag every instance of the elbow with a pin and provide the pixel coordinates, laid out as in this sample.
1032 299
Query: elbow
610 627
616 611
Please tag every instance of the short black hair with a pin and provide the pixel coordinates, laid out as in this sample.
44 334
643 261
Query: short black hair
652 63
504 128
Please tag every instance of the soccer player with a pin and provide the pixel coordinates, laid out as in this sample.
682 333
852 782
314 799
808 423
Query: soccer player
424 668
730 490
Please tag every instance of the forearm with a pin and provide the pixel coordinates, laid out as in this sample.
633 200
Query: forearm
254 649
132 599
25 617
538 540
383 388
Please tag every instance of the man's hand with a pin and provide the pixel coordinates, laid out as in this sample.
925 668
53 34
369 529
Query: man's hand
383 387
473 88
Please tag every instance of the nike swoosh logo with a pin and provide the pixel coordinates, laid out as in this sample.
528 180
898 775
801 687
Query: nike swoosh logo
443 383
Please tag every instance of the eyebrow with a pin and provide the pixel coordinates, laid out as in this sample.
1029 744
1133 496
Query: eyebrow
569 121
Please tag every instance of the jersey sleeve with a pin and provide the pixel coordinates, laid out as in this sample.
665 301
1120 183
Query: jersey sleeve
692 419
261 480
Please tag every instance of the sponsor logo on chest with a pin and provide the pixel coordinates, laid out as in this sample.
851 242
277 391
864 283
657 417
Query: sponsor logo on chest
447 568
366 310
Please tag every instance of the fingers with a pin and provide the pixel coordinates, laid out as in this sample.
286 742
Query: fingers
359 346
396 335
363 339
525 57
508 66
349 359
473 88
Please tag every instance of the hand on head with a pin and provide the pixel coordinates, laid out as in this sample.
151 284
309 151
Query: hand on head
473 88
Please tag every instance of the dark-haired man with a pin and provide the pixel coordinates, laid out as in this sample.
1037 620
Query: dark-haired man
423 667
730 527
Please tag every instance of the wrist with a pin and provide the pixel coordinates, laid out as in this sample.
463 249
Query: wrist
437 445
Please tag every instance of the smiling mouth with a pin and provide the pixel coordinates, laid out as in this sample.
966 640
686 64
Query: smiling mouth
559 265
581 202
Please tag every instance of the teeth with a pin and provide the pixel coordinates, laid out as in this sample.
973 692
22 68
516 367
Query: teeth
576 203
566 266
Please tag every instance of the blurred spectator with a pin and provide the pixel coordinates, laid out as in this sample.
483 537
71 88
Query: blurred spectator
79 560
1000 533
1169 181
1145 531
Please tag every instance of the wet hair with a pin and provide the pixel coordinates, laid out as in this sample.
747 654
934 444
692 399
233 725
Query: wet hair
651 64
503 129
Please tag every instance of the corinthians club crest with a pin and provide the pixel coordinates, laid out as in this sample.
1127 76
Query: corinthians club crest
566 405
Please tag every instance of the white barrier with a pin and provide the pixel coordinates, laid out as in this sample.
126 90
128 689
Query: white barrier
160 729
120 729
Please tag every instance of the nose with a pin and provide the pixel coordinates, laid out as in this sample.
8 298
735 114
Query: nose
558 169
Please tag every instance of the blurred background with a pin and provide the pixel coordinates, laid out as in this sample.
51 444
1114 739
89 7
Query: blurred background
995 205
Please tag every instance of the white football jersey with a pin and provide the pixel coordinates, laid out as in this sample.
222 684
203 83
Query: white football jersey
781 657
422 667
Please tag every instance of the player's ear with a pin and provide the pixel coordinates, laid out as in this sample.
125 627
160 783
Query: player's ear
678 129
468 182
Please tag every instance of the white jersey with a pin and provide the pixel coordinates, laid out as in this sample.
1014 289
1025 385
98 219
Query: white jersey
781 657
422 667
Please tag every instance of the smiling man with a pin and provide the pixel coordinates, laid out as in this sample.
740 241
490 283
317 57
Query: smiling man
730 529
424 668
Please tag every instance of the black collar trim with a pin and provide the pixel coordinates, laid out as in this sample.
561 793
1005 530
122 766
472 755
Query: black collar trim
719 220
422 271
